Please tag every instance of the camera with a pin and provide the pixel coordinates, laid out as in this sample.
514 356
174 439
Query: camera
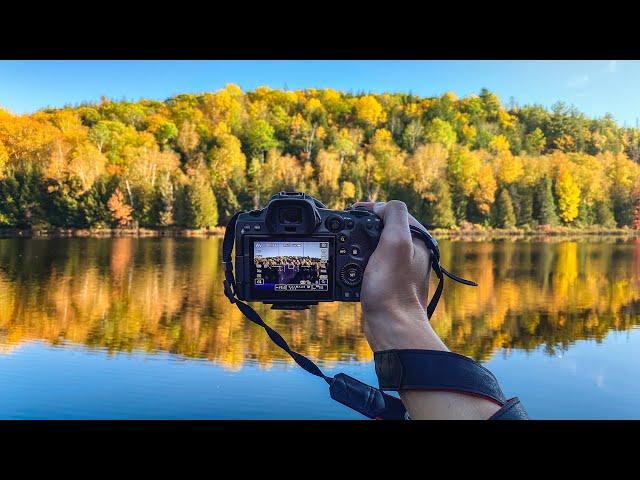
295 252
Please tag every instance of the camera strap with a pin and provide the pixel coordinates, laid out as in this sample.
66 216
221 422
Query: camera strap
365 399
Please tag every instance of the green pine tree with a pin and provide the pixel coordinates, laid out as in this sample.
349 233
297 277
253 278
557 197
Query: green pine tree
604 214
198 207
525 216
441 212
505 217
545 211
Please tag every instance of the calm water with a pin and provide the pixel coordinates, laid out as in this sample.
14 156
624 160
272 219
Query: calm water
139 328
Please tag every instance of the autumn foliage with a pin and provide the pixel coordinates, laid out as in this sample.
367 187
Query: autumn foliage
194 160
120 211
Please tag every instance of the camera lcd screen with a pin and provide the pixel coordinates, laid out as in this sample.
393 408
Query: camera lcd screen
292 269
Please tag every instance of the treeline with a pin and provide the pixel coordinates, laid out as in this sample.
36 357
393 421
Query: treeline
193 160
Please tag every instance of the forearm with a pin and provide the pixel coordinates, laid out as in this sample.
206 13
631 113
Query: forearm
408 328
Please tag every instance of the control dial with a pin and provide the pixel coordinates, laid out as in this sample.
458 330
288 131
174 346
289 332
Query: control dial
351 274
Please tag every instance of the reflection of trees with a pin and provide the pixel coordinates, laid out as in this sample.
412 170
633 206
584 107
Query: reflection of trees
165 294
538 293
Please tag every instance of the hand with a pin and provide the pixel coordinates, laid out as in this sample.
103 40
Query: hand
395 285
393 297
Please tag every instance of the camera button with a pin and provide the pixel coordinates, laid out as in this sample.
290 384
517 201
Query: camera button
350 223
256 227
355 251
342 238
342 251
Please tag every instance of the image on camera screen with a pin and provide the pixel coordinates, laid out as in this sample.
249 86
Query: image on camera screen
291 266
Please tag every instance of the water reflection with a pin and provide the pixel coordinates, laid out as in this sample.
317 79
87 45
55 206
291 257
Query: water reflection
127 294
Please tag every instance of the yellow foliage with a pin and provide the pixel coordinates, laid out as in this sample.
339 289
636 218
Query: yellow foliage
565 143
465 165
369 110
426 166
4 158
484 194
329 170
506 120
568 196
469 133
313 105
500 145
510 168
451 96
348 190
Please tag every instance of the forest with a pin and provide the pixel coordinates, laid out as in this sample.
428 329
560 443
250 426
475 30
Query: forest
193 160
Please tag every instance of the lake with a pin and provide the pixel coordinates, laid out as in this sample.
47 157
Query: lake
139 328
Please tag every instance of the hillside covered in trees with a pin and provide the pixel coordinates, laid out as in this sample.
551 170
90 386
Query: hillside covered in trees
193 160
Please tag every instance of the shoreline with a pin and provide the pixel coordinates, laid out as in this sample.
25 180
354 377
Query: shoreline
448 234
109 232
541 233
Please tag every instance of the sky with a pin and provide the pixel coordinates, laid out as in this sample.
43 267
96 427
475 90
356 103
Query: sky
595 87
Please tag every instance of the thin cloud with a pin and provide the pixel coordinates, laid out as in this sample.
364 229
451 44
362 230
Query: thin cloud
579 81
612 66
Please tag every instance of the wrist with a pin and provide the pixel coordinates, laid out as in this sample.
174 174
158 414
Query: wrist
401 328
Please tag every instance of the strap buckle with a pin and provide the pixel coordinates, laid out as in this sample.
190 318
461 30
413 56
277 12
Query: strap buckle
365 399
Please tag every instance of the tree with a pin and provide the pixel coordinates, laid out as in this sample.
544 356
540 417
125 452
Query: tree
484 194
21 204
426 166
568 196
504 214
120 211
544 207
441 210
440 131
534 142
603 214
188 139
4 159
164 203
524 214
199 207
412 135
369 111
329 170
260 138
390 165
463 169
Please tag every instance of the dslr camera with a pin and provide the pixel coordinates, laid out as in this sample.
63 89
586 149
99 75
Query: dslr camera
295 252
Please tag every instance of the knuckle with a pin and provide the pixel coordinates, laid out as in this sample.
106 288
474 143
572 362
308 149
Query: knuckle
397 205
399 243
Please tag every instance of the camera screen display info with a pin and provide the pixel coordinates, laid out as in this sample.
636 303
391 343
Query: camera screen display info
291 268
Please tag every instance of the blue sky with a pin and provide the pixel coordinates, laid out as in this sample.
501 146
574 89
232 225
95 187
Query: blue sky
595 87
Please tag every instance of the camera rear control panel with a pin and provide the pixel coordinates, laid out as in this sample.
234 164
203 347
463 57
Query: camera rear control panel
357 238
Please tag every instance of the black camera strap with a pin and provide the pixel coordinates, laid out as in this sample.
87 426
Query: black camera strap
369 401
